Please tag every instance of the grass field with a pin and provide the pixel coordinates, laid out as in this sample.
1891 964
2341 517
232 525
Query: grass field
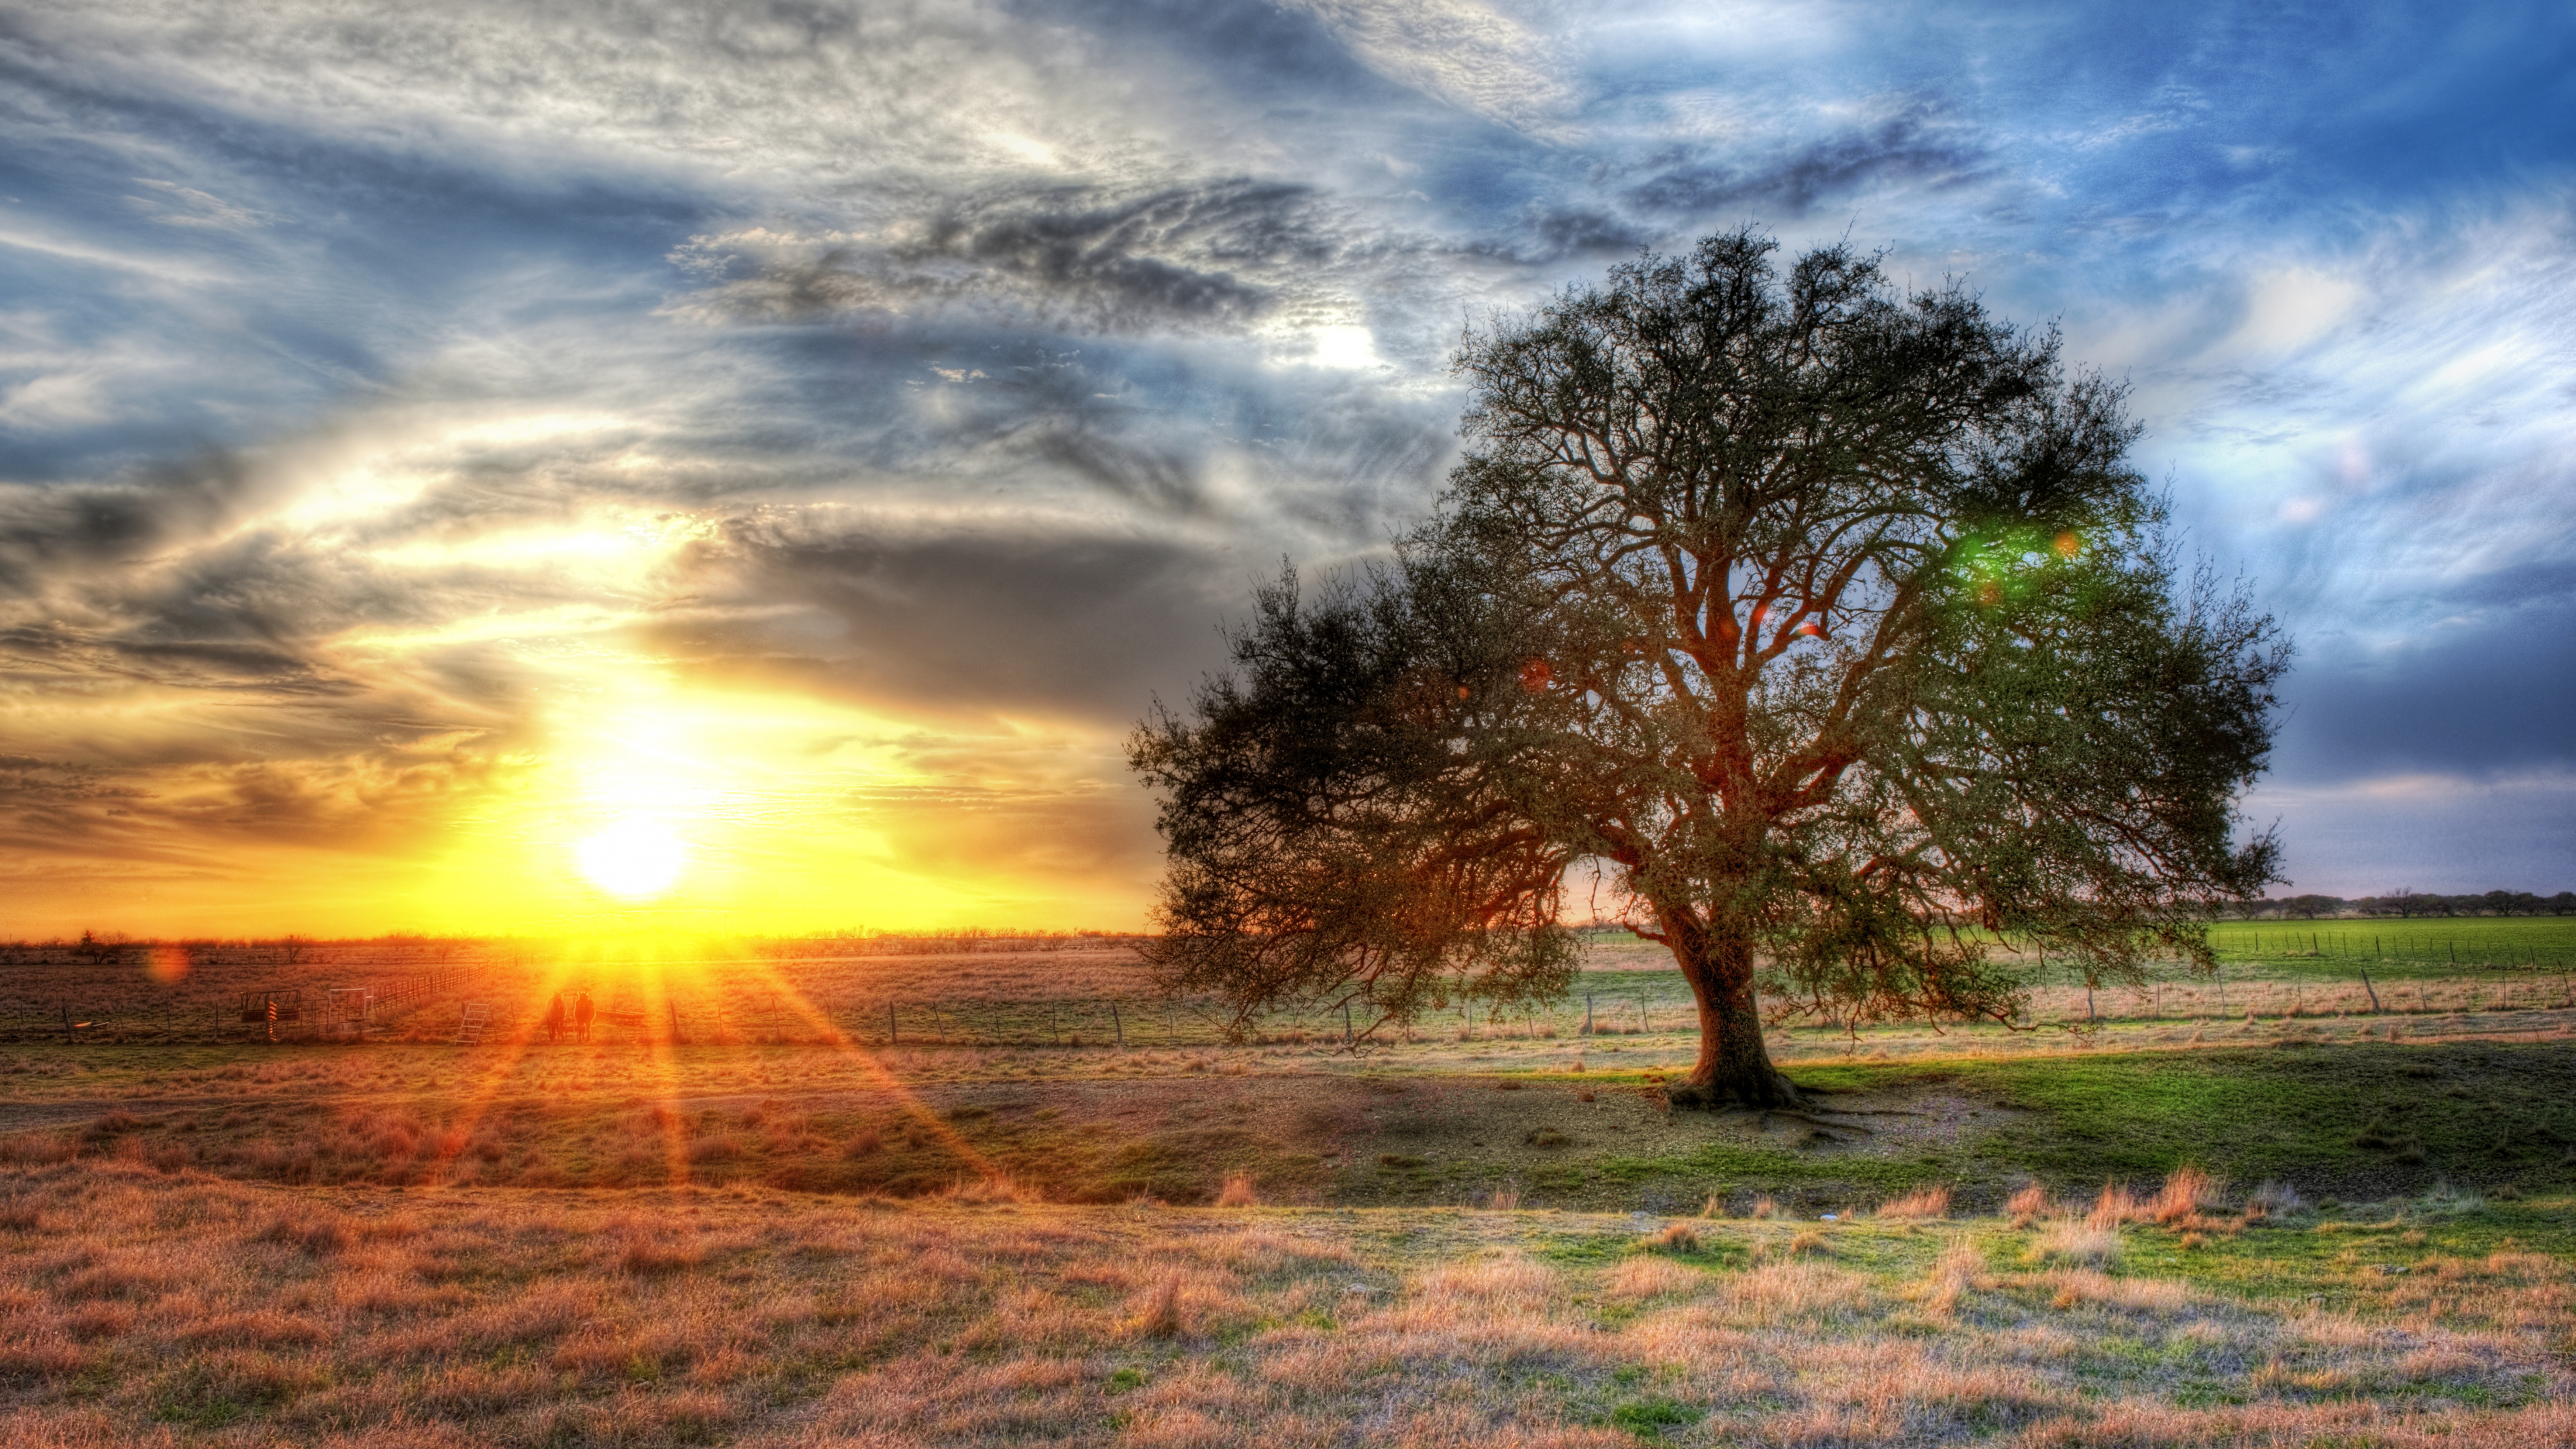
2294 1221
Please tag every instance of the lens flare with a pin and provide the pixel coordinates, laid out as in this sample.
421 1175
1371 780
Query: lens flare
634 858
167 964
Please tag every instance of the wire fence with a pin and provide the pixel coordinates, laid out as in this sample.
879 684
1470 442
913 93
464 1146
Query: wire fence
300 1012
437 1005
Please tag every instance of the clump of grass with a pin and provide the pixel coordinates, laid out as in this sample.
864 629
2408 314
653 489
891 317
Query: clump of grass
1764 1208
314 1231
38 1148
723 1147
863 1143
2187 1189
2274 1198
1158 1311
1809 1242
1960 1267
987 1188
657 1258
1675 1238
2084 1243
1715 1207
1930 1202
2115 1206
1238 1192
1506 1198
1650 1417
1545 1137
2444 1200
2028 1205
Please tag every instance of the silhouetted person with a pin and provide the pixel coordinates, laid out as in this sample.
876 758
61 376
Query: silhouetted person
581 1015
555 1019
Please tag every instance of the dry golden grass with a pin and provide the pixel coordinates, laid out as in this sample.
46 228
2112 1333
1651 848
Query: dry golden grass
2186 1191
2077 1240
1930 1202
160 1308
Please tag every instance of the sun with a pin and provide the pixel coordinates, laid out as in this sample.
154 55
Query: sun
634 858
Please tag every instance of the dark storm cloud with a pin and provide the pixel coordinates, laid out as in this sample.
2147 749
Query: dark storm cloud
1561 232
43 530
1218 256
1920 147
373 802
2481 702
980 619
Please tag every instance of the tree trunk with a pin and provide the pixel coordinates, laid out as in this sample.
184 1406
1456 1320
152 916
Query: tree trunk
1734 1062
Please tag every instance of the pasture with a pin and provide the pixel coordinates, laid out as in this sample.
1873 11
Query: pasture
2312 1224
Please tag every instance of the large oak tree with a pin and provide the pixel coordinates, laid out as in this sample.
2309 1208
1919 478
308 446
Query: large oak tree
1830 623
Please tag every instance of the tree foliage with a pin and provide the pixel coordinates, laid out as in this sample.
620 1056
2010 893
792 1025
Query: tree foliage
1832 623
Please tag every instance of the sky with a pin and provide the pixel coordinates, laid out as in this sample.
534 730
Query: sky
550 467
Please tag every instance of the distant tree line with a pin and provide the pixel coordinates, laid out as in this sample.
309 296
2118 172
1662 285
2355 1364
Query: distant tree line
101 948
2410 904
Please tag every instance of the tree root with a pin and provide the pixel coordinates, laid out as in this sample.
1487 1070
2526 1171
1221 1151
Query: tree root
1784 1096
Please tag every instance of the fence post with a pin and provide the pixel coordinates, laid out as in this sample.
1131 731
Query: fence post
2373 990
1118 1024
891 1037
1587 1013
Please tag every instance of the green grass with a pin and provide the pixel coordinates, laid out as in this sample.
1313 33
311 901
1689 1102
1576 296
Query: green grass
2313 1258
2360 1121
2481 1112
2478 948
2438 944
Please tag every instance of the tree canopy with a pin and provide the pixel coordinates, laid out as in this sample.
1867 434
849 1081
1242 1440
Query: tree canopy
1830 623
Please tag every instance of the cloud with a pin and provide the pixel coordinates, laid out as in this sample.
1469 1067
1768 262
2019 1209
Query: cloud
1217 256
472 417
1918 146
172 204
1471 56
1028 615
2506 832
2383 427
